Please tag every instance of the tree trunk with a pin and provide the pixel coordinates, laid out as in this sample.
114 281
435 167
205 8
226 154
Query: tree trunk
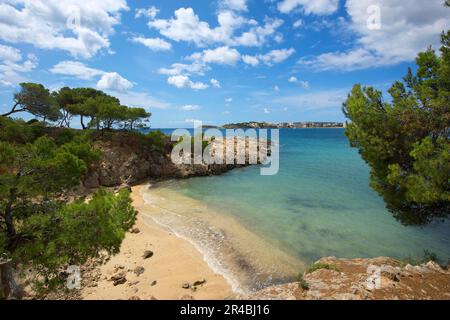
13 110
82 123
11 290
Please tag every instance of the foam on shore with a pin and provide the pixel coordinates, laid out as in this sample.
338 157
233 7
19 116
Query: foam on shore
247 261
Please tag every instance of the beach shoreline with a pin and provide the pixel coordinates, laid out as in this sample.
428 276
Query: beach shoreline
175 263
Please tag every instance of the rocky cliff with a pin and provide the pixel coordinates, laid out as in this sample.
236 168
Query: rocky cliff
365 279
128 159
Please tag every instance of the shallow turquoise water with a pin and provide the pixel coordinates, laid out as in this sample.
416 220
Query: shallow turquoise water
320 203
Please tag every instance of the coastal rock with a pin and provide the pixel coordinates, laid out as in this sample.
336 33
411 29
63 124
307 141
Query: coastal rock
139 270
135 230
118 279
127 159
199 283
147 254
366 279
186 285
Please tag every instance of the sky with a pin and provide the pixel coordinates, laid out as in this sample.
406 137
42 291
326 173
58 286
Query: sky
218 61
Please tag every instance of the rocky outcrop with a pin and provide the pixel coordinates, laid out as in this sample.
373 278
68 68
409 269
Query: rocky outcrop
128 160
365 279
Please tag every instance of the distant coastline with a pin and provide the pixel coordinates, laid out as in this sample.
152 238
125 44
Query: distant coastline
283 125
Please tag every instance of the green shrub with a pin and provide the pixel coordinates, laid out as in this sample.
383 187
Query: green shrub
318 266
302 282
157 139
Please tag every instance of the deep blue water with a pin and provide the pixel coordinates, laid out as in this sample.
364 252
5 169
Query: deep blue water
319 204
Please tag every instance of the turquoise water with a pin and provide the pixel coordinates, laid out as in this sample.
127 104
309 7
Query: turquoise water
319 204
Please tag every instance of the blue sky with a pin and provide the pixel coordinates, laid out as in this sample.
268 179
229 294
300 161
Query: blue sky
216 61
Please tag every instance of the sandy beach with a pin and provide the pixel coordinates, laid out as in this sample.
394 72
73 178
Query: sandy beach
174 263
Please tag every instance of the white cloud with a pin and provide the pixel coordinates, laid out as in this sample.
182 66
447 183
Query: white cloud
251 60
150 12
114 82
9 54
270 58
187 69
229 100
257 35
266 111
293 79
190 107
276 89
12 65
81 28
304 84
108 80
215 83
297 24
182 81
76 69
318 7
187 26
277 56
405 31
222 55
238 5
155 44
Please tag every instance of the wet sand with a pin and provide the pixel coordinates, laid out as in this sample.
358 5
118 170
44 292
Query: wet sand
175 262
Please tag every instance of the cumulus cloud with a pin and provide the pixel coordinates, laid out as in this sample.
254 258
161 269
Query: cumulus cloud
270 58
155 44
238 5
150 12
190 107
215 83
182 81
222 55
297 24
303 84
114 82
196 67
251 60
108 80
13 66
81 28
76 69
11 54
187 26
318 7
405 31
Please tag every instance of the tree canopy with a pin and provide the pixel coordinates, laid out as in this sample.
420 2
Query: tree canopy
406 140
104 111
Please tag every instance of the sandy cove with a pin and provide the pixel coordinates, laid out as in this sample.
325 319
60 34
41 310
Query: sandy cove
175 262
